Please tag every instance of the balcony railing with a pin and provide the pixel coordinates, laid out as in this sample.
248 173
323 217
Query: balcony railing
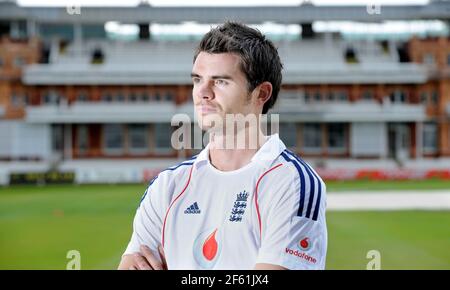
99 112
297 110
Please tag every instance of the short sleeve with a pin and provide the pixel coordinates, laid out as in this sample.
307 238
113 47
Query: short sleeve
294 232
147 223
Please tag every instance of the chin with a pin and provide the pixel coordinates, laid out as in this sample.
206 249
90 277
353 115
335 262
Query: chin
209 121
203 126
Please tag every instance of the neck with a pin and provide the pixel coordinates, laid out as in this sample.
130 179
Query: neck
231 152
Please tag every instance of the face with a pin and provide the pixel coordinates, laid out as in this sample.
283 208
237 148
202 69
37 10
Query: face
220 88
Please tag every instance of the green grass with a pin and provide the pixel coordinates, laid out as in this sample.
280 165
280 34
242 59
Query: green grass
405 239
426 185
39 225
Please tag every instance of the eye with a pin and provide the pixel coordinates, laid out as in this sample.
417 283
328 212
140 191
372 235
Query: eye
195 80
220 82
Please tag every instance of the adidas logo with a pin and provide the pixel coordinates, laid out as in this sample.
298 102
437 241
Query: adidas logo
193 209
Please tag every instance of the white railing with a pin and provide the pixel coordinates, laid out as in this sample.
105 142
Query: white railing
296 110
100 112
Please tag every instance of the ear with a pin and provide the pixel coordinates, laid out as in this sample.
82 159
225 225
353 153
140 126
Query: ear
264 93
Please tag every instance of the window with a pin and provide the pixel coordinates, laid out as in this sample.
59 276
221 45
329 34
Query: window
312 137
47 98
138 138
82 139
168 97
113 138
51 97
367 96
107 97
342 96
429 98
434 97
288 133
423 97
57 138
162 136
336 138
26 99
398 96
120 97
317 96
82 97
429 138
337 96
145 97
307 97
331 97
133 97
19 61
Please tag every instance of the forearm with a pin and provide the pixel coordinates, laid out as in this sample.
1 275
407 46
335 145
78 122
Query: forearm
126 262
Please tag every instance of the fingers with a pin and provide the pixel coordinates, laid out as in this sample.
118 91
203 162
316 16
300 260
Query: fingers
162 256
152 260
141 262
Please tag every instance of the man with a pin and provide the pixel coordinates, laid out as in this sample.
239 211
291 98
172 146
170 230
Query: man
259 207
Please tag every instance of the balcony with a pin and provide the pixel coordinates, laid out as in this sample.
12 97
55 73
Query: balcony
100 112
174 69
296 110
368 73
144 73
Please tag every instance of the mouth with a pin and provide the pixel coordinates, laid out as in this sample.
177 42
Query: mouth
206 110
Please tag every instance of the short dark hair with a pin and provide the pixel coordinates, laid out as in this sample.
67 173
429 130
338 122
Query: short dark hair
260 61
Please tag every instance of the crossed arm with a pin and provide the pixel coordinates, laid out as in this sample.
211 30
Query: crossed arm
146 260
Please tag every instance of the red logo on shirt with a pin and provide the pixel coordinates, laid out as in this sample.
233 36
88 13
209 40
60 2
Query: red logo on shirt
301 255
207 248
210 246
305 244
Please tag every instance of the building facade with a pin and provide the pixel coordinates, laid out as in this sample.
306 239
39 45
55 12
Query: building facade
69 93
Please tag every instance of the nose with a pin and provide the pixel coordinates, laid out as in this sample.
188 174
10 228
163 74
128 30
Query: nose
205 92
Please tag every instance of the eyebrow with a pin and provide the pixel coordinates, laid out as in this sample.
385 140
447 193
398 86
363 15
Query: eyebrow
225 77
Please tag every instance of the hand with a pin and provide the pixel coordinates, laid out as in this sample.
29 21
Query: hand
146 260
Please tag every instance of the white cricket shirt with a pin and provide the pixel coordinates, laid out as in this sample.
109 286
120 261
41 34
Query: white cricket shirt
270 211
